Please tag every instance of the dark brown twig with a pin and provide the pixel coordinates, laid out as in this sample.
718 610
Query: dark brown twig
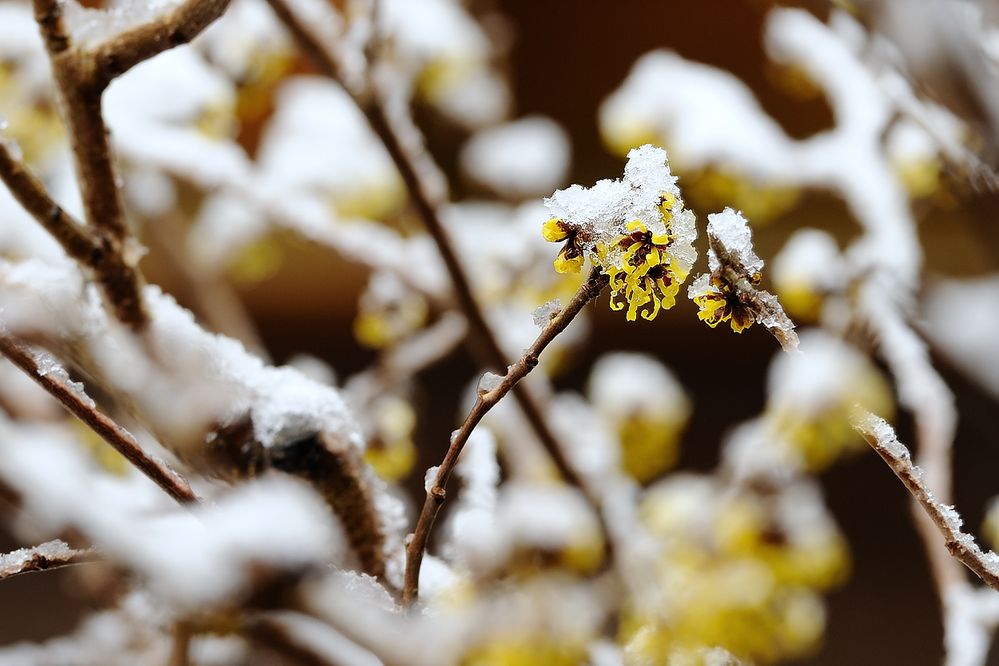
82 75
49 555
333 468
961 546
97 256
405 159
177 26
486 400
81 407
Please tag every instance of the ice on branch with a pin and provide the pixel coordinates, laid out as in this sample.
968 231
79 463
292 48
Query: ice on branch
730 292
545 312
189 557
961 545
636 229
488 381
44 556
211 378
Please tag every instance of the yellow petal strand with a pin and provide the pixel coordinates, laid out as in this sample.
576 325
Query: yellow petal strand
655 309
653 258
615 303
740 322
565 264
554 230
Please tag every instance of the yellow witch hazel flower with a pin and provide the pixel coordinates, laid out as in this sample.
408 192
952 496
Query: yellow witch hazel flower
635 229
730 292
716 294
717 303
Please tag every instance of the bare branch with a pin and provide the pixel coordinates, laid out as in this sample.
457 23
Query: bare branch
175 27
486 400
100 257
49 555
962 546
334 469
82 76
25 187
406 160
80 405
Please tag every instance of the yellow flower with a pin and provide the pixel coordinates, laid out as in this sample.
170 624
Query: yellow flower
570 257
717 303
643 276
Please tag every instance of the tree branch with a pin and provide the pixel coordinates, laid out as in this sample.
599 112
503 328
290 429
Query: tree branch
49 555
177 26
406 162
101 258
961 546
25 187
82 75
57 384
437 493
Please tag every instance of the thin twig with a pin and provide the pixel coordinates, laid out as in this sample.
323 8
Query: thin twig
486 400
97 256
406 162
25 187
49 555
175 27
961 546
924 392
77 403
82 75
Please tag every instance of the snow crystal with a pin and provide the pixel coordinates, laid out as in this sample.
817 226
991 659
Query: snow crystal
15 560
190 557
523 158
884 435
430 478
732 230
48 365
489 382
543 314
603 211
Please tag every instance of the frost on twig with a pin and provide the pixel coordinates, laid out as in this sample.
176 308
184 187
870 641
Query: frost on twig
962 546
51 376
730 291
334 469
49 555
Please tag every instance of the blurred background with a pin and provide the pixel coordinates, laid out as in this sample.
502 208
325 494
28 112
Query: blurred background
563 60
